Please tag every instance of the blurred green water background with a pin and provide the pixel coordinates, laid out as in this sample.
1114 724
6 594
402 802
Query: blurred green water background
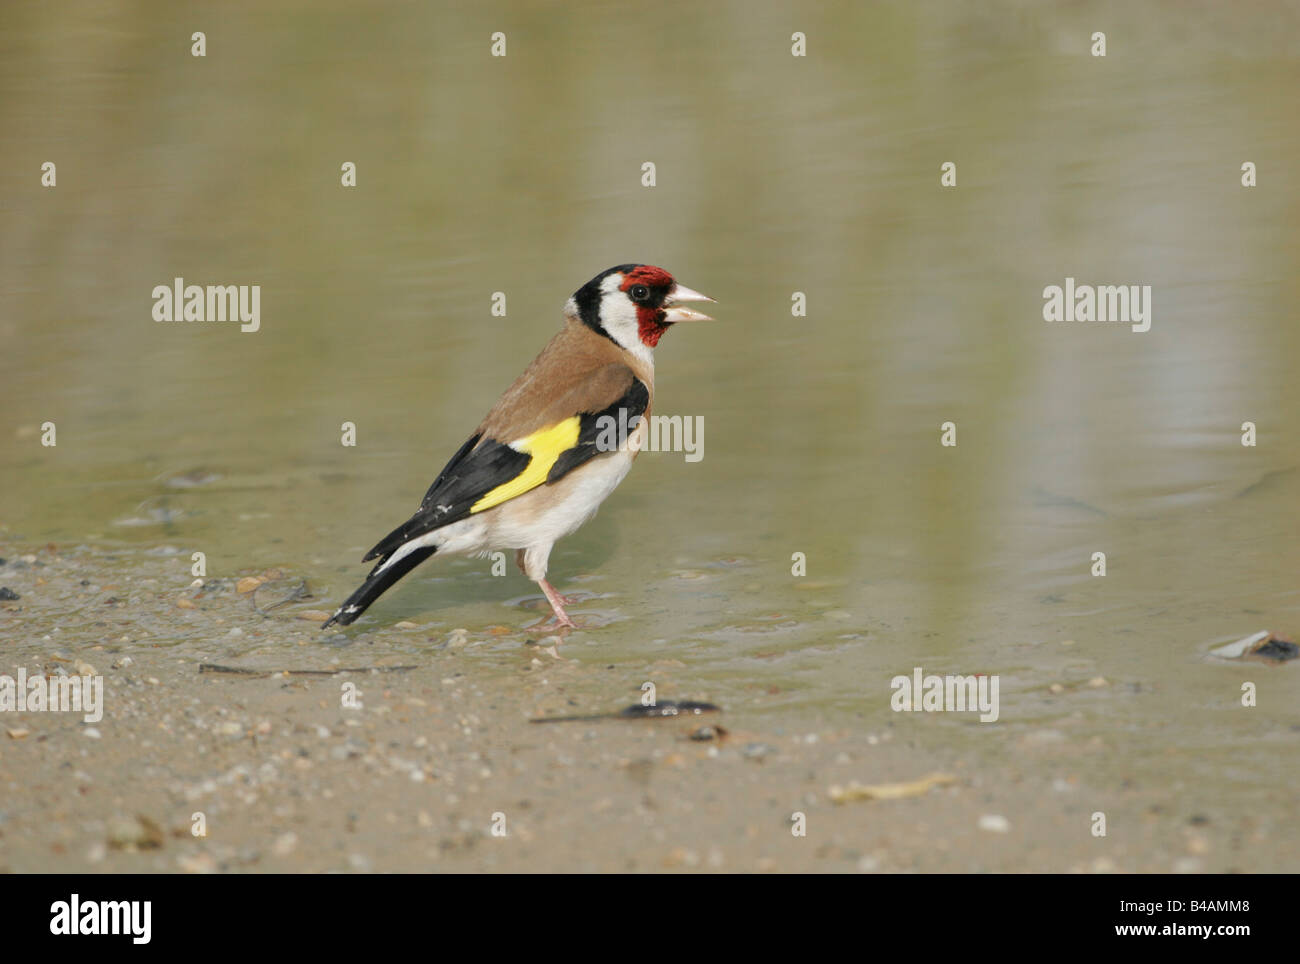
775 174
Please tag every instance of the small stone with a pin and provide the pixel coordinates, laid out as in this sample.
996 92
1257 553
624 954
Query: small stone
994 823
134 833
248 584
1097 682
228 729
197 863
7 594
91 733
17 732
284 844
681 857
405 624
705 733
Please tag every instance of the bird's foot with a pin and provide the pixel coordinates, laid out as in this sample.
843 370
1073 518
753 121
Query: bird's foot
558 602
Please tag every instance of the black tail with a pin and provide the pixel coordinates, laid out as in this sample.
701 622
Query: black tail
375 586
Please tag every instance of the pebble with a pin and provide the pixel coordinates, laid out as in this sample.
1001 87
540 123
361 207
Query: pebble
359 862
91 733
197 863
994 823
681 857
137 832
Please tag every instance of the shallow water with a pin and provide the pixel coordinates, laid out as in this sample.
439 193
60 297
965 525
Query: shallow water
775 174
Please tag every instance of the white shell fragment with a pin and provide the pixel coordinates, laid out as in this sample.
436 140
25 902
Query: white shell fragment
1242 646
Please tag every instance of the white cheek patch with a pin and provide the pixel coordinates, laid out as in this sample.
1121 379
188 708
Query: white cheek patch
618 316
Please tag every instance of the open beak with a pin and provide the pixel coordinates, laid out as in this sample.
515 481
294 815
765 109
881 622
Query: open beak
681 294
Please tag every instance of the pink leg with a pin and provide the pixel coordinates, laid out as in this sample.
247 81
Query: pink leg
557 604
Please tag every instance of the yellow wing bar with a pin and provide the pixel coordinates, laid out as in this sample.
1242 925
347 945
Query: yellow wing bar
545 447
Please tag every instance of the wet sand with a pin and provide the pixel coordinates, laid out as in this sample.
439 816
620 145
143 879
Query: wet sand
437 756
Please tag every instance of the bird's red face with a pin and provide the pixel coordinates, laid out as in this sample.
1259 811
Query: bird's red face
647 287
634 304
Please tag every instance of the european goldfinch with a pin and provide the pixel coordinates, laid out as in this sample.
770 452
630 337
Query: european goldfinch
540 463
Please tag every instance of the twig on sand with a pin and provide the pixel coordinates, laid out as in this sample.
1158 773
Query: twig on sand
245 671
637 711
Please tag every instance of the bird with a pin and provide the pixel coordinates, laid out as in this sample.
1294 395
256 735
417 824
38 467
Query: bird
546 456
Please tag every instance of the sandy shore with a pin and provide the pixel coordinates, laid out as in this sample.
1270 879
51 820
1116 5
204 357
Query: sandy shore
439 767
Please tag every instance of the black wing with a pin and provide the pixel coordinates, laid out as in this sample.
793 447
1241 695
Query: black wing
485 464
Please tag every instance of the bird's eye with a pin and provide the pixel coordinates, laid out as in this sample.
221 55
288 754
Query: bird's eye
639 292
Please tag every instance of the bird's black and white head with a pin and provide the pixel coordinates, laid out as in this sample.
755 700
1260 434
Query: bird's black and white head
633 305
